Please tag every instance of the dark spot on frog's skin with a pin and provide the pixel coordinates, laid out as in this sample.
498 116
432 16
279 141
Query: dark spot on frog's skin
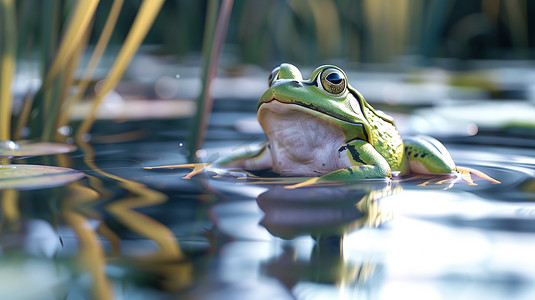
423 155
350 171
354 153
416 155
409 153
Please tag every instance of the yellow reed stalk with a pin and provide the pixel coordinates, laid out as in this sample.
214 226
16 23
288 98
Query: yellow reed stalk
64 83
147 13
93 61
78 24
10 205
8 42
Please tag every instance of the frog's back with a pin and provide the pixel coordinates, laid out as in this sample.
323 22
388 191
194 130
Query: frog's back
386 140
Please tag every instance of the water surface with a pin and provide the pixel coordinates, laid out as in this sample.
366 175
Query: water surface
124 232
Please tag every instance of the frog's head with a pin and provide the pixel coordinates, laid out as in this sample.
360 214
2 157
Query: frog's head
326 95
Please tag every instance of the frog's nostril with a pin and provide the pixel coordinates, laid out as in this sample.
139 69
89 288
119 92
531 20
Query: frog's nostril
297 83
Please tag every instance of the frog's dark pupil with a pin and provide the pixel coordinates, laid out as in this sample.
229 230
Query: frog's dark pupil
335 78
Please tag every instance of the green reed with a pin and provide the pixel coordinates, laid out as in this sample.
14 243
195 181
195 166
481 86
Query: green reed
217 20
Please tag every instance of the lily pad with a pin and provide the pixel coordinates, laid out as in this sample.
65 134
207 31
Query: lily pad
25 148
25 177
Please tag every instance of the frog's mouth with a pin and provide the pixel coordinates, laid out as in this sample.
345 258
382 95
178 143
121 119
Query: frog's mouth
287 109
306 106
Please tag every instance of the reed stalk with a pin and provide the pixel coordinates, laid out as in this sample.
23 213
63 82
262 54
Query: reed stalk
147 13
8 42
68 53
214 37
76 28
101 45
60 90
37 105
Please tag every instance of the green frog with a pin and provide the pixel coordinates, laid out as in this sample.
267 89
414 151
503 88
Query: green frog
323 127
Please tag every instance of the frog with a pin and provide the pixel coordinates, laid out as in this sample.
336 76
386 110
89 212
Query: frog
324 128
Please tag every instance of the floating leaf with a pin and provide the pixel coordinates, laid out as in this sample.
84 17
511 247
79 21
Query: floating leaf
8 145
35 176
34 149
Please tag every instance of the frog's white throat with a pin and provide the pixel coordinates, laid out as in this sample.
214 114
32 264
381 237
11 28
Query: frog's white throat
303 142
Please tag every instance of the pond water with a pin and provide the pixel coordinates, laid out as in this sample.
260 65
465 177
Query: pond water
125 232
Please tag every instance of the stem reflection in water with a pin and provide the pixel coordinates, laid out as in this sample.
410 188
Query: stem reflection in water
123 210
79 209
91 255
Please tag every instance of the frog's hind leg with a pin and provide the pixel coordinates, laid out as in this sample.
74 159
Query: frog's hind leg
427 155
258 159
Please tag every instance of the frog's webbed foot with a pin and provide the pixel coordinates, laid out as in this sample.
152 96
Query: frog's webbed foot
427 155
258 159
367 163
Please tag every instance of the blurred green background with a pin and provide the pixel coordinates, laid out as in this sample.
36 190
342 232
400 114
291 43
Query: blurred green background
310 31
402 36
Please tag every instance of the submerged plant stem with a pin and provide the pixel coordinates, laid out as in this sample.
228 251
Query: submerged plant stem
8 42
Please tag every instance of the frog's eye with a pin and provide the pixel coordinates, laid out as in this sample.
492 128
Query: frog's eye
273 76
333 81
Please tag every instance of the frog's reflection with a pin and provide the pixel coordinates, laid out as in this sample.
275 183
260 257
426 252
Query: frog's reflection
324 211
327 214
